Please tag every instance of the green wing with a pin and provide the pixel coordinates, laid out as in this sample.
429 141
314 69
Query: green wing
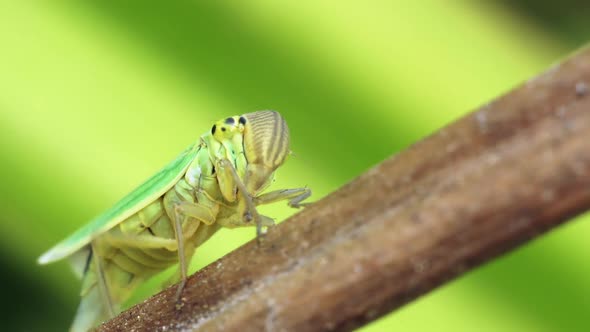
146 193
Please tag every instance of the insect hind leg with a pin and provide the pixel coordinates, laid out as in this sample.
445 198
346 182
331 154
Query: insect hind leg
102 282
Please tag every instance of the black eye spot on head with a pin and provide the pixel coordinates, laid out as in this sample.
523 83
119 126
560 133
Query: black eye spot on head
230 121
242 120
213 129
222 128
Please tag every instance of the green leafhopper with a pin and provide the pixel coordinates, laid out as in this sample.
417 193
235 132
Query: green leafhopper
216 182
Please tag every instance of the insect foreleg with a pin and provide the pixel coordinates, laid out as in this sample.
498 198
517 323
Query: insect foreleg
251 212
102 282
295 197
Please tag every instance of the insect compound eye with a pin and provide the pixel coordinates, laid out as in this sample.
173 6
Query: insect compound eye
230 121
242 120
213 129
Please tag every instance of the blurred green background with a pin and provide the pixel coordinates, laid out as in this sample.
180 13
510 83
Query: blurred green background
96 96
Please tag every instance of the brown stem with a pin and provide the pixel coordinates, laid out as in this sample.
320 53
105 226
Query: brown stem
475 189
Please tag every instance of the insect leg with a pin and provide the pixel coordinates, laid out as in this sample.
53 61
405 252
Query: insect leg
251 213
181 257
187 210
139 241
102 282
177 276
295 197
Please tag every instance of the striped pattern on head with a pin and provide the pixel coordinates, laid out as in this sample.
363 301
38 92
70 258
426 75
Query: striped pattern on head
266 139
